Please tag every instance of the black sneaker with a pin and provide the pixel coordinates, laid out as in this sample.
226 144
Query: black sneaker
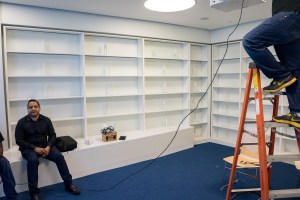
277 85
35 197
291 118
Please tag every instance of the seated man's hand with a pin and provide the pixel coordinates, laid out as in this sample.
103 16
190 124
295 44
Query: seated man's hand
46 151
39 150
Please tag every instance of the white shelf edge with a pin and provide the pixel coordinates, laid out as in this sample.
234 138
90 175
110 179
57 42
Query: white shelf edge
226 115
113 115
57 120
48 98
163 111
166 93
113 76
166 76
112 56
44 76
45 53
225 127
198 123
117 95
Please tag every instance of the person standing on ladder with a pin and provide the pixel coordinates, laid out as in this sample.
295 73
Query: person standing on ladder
282 31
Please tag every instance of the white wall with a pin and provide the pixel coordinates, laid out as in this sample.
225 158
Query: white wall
221 35
42 17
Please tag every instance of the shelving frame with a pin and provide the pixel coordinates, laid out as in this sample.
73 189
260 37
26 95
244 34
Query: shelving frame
87 81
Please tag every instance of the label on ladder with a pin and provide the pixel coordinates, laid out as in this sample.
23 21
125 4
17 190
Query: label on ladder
257 107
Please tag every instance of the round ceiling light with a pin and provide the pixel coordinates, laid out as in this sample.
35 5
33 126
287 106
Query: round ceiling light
169 5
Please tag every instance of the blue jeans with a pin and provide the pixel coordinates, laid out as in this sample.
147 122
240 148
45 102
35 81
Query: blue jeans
32 167
7 179
283 32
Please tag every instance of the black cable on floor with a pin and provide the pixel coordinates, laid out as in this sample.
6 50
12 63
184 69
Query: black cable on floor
153 160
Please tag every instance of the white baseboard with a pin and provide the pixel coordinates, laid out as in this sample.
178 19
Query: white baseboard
230 144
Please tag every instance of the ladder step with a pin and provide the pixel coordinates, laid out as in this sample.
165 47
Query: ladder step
236 192
283 158
246 190
264 98
270 124
250 122
273 93
284 193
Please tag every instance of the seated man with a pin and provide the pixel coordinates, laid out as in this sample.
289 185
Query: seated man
7 175
35 136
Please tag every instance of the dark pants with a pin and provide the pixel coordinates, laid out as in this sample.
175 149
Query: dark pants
33 163
7 179
283 32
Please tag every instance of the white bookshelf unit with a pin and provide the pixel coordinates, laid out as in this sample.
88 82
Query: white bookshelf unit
113 83
48 66
226 91
87 81
166 83
200 78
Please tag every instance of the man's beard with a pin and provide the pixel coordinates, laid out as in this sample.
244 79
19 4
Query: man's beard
34 114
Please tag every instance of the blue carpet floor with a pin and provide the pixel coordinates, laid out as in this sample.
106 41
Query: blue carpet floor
193 174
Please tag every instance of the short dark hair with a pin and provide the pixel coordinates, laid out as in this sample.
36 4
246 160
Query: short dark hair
33 100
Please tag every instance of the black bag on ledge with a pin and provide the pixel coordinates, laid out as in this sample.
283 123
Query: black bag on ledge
65 143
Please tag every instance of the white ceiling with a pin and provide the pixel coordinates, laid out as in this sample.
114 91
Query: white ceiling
134 9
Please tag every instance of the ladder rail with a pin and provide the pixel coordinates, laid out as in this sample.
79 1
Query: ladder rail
273 132
264 180
240 133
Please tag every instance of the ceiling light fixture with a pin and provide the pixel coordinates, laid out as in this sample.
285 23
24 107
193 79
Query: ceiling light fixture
169 5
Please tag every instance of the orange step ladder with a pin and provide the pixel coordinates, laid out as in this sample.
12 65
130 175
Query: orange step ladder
265 160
